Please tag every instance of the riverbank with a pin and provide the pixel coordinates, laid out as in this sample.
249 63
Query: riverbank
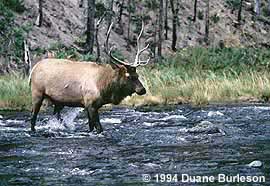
197 76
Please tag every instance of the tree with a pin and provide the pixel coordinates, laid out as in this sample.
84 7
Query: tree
80 3
90 30
269 7
110 14
120 14
207 21
160 30
195 11
40 13
175 11
97 41
166 27
257 7
27 59
240 11
129 19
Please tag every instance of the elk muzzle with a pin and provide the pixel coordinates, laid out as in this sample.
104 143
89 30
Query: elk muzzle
139 89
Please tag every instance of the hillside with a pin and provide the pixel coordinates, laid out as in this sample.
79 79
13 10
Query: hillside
64 24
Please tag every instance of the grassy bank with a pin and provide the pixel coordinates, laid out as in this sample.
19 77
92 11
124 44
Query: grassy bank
200 76
197 76
14 92
198 90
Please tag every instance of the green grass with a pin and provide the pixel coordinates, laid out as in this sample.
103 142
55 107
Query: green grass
197 75
14 92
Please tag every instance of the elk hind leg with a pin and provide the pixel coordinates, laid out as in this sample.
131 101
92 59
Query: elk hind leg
37 102
57 110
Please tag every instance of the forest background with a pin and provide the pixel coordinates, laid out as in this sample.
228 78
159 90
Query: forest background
202 51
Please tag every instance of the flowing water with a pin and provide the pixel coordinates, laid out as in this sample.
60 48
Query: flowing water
136 145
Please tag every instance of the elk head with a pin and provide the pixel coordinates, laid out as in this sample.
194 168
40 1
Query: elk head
129 79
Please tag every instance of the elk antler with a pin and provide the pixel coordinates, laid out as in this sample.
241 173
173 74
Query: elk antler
109 51
137 62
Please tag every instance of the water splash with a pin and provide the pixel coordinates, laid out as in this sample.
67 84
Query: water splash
174 117
14 121
111 120
53 124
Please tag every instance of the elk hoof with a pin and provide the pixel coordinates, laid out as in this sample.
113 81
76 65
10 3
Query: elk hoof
99 129
91 129
33 129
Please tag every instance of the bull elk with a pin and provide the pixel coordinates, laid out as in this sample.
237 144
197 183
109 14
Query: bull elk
85 84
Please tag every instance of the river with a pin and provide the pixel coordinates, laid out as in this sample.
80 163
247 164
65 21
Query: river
136 144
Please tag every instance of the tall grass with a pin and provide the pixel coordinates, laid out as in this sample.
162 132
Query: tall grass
201 76
14 92
199 90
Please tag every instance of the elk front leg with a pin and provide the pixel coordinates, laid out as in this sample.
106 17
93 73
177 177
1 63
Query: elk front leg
93 119
90 122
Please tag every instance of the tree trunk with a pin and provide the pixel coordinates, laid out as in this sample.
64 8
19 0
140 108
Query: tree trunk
257 7
195 11
40 13
27 59
166 19
206 38
119 20
110 15
80 3
160 30
129 18
240 11
90 32
154 45
121 8
174 27
269 7
96 38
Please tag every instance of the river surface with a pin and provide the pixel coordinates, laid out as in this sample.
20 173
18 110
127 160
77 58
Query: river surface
136 145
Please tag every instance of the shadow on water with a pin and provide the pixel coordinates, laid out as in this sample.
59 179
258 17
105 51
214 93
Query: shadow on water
181 140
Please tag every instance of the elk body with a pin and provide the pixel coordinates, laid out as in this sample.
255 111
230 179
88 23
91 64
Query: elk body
84 84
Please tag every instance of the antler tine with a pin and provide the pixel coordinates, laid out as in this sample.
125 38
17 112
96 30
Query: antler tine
138 62
107 39
109 52
116 59
139 37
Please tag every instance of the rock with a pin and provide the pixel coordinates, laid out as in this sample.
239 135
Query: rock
165 160
206 127
256 164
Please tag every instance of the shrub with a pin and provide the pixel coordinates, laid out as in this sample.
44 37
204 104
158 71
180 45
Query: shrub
200 15
233 4
14 5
